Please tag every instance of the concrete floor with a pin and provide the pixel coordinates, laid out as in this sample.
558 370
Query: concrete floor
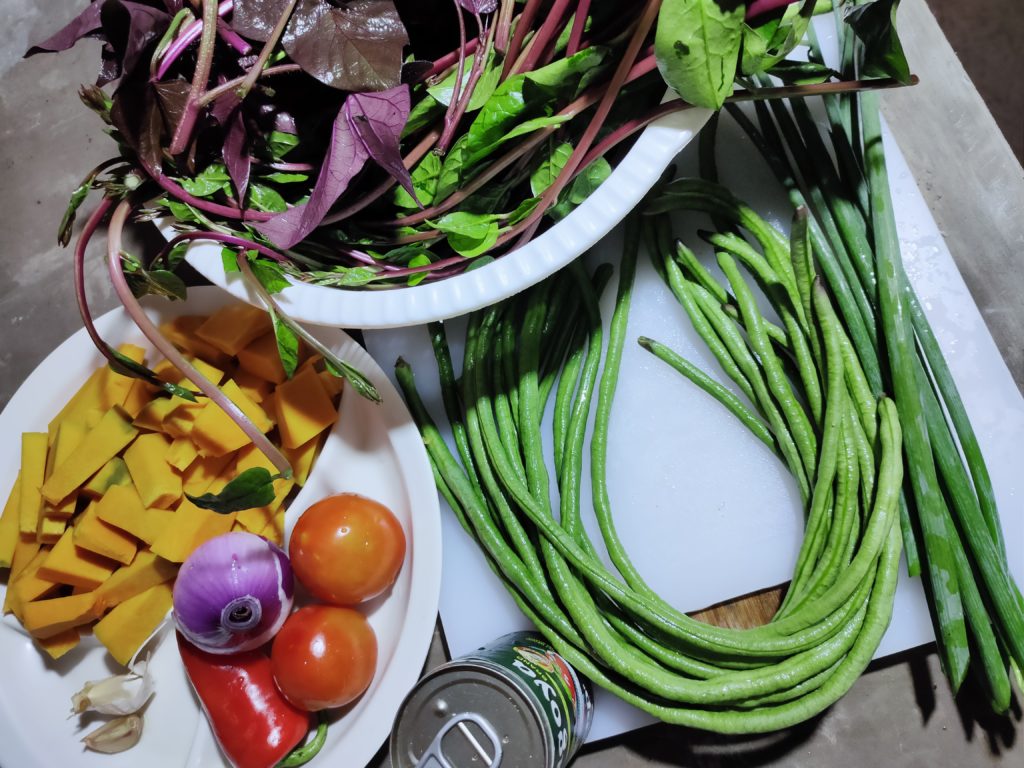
986 36
899 714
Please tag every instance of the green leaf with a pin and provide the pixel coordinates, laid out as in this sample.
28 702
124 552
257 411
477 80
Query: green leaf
874 23
773 37
125 366
285 178
523 210
470 234
281 143
482 91
345 277
357 379
68 221
423 113
168 284
697 45
582 187
229 258
483 261
264 198
551 165
183 212
287 344
269 273
210 180
418 261
802 72
177 255
253 488
424 182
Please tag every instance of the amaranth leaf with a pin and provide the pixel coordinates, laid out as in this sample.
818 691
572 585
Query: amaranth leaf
253 488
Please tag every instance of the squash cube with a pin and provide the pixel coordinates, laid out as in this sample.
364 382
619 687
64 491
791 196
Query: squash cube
303 408
302 458
101 444
73 565
114 472
33 467
147 570
61 643
87 398
192 526
48 618
93 534
157 483
207 473
114 387
138 397
122 508
51 527
130 624
215 433
181 332
155 412
9 525
25 549
30 585
233 327
181 453
261 358
69 435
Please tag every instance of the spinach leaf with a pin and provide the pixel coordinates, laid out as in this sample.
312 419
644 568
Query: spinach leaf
418 277
210 180
550 166
279 177
269 273
697 44
287 344
482 91
252 488
264 198
771 38
582 187
344 277
874 23
469 234
424 182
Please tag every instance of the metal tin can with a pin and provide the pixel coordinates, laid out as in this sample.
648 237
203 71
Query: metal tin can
514 703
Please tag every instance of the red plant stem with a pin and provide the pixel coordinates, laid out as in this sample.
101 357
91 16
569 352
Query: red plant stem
760 7
205 206
226 239
479 60
504 26
546 34
291 167
627 129
232 38
88 230
579 23
449 59
414 156
460 66
186 38
611 92
587 99
168 350
267 50
229 86
204 63
523 26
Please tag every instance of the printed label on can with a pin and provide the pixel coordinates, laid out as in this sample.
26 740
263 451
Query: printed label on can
564 699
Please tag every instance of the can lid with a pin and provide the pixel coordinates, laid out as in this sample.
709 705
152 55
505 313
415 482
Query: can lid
510 728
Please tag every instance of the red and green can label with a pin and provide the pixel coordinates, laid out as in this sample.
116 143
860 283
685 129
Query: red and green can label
562 698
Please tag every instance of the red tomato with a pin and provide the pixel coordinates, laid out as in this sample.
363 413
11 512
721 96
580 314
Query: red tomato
347 548
324 656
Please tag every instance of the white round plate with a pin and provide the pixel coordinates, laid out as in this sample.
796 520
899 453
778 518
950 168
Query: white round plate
553 249
373 449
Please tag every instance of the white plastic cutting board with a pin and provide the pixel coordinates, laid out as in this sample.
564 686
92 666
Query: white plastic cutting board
705 510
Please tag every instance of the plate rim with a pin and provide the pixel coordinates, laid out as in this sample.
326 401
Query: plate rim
417 625
646 160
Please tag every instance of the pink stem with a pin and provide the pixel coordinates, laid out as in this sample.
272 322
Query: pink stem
88 230
761 7
578 25
200 79
232 38
545 35
168 350
188 36
450 58
205 206
221 237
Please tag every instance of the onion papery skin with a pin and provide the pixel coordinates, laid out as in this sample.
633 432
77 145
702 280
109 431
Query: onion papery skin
233 593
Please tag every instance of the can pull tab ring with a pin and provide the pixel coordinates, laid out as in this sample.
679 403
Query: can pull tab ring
434 756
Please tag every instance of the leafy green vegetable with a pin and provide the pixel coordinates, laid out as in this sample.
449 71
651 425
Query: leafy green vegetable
484 89
424 180
550 166
264 198
287 344
469 234
269 273
252 488
212 179
582 187
874 23
422 260
698 45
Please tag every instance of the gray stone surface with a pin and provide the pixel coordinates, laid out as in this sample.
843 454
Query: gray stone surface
900 713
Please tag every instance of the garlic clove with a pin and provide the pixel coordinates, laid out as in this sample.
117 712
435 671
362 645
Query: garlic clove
115 695
115 736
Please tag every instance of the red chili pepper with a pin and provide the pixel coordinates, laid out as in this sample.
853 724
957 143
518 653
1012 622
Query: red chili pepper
255 726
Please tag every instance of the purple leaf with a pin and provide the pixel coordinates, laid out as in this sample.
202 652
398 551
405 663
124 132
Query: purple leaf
83 25
236 151
356 46
377 120
172 95
255 19
479 6
345 158
761 7
130 28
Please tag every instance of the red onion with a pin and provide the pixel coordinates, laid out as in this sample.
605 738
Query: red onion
233 593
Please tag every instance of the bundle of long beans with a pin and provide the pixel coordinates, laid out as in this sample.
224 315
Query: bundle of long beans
613 626
949 518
